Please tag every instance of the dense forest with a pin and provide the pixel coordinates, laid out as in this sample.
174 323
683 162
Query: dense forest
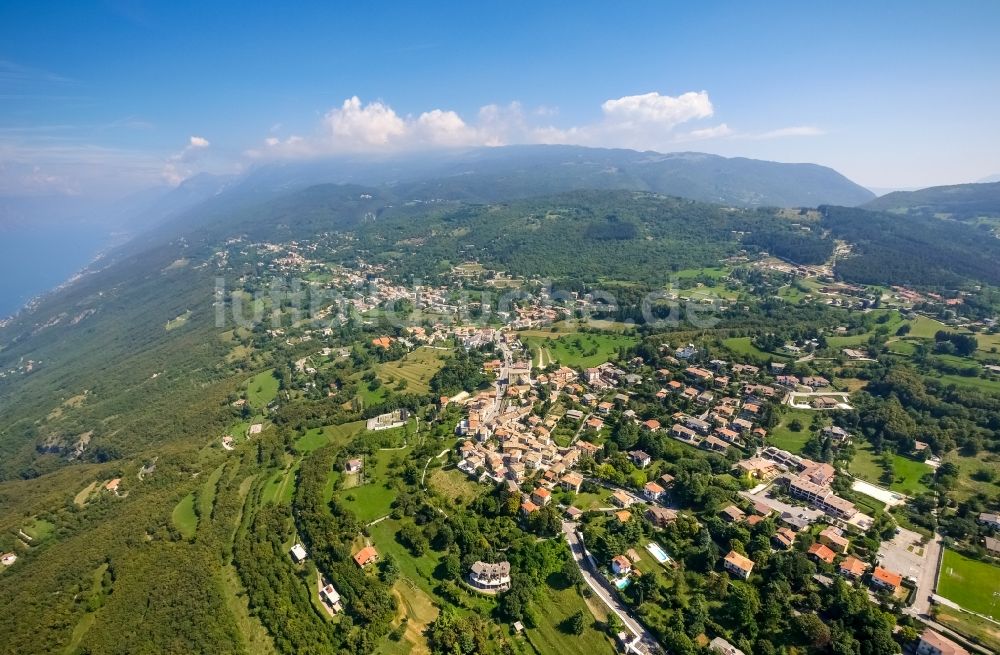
914 250
961 202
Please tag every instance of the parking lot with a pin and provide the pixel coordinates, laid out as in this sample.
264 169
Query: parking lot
906 555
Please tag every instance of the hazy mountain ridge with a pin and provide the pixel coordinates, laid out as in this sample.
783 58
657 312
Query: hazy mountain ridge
487 174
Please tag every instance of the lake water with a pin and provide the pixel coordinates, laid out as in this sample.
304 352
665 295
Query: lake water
34 260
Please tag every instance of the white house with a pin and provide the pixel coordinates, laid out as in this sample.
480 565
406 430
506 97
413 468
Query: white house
298 553
490 577
330 596
621 565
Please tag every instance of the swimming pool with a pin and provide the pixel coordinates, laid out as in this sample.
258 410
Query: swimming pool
658 552
622 583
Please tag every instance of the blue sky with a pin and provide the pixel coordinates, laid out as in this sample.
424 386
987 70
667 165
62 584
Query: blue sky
105 98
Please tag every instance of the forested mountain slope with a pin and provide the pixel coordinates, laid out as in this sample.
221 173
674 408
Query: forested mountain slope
912 250
961 202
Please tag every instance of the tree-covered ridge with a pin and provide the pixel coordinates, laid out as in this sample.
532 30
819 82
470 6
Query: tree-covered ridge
585 235
961 202
912 250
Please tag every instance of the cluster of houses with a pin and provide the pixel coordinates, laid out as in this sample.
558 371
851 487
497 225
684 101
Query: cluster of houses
830 545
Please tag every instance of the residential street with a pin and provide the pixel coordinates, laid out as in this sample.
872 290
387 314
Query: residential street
645 642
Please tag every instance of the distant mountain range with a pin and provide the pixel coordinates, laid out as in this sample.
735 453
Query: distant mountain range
489 174
471 175
962 202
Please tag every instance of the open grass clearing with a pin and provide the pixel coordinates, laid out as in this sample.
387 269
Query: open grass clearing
416 369
974 585
975 383
977 629
714 272
588 501
373 499
178 321
419 570
784 437
925 328
262 389
455 486
419 610
88 618
744 346
206 497
330 434
577 349
549 637
80 499
908 472
184 517
281 487
968 485
39 530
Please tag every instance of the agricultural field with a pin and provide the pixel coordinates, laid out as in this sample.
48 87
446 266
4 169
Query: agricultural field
262 389
974 585
575 349
416 369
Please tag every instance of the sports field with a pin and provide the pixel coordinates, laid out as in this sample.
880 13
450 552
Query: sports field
972 584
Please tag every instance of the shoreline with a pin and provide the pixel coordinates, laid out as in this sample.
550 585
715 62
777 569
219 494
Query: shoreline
114 241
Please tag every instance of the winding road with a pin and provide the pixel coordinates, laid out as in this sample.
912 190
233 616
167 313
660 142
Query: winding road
643 641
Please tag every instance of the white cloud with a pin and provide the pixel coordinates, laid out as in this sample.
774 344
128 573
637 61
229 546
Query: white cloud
644 121
784 132
373 124
444 128
703 134
179 166
668 111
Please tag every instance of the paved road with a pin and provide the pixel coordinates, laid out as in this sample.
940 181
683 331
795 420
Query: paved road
600 586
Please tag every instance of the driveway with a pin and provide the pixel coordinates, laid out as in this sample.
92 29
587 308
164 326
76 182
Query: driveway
645 642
